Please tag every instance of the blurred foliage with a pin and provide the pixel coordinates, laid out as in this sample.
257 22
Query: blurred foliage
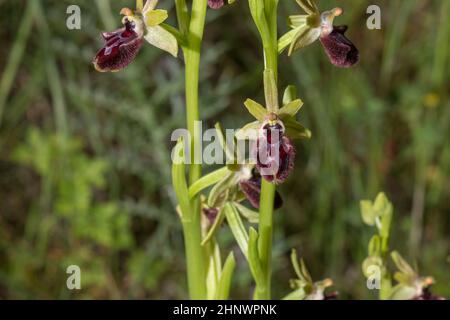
84 156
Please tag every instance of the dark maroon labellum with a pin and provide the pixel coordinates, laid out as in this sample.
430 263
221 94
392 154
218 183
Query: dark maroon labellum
215 4
275 154
252 190
120 49
341 51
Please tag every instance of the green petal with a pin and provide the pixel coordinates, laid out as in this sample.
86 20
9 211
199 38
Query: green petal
162 39
155 17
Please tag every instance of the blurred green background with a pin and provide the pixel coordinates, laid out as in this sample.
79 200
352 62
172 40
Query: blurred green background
85 157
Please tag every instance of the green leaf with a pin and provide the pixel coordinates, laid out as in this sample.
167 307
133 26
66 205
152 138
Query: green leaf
253 258
214 271
290 94
270 91
213 230
255 109
223 291
162 39
179 182
294 261
295 130
291 109
207 181
250 215
237 227
153 18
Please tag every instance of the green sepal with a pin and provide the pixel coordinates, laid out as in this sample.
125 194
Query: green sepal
256 110
162 39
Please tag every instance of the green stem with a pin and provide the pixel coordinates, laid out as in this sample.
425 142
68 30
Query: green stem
270 45
195 256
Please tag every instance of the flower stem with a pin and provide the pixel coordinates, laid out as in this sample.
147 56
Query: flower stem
195 256
263 291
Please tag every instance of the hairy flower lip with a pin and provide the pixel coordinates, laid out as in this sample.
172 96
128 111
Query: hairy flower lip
121 46
275 154
339 49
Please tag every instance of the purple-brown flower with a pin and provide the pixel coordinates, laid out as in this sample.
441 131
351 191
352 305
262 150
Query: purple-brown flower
121 46
275 152
340 50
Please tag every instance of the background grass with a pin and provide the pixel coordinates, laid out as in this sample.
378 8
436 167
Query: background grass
84 156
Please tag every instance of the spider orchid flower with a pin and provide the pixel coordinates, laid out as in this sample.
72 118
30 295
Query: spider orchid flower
122 45
313 26
272 134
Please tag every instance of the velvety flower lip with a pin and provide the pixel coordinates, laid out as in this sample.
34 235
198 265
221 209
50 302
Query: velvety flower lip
275 153
252 191
215 4
340 50
121 46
